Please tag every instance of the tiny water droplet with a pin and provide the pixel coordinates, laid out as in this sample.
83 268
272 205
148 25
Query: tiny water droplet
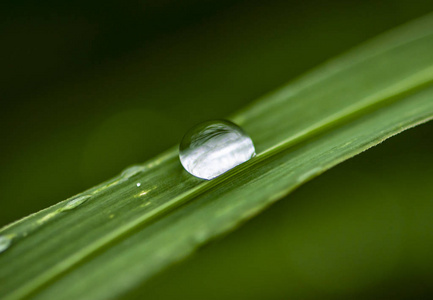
5 242
138 184
131 171
48 216
214 147
310 174
75 202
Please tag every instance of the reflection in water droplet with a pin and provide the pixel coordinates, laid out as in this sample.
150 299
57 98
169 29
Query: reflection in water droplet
75 202
5 242
212 148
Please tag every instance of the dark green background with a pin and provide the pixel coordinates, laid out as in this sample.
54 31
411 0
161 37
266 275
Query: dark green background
89 87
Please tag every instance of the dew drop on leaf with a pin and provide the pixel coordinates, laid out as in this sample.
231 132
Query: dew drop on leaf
73 203
212 148
5 242
131 171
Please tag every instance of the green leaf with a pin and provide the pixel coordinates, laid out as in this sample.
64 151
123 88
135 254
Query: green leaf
110 238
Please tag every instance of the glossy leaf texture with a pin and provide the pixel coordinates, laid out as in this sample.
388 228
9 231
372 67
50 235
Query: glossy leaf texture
109 239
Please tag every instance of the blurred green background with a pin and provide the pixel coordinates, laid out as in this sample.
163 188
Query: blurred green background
90 87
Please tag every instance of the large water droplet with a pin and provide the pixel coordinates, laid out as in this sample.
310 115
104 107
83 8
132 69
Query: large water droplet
212 148
5 242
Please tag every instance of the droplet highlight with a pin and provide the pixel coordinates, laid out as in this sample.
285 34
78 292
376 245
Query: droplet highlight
214 147
5 242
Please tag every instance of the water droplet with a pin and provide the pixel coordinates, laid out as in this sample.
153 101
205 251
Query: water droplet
5 242
310 174
212 148
131 171
75 202
47 217
138 184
